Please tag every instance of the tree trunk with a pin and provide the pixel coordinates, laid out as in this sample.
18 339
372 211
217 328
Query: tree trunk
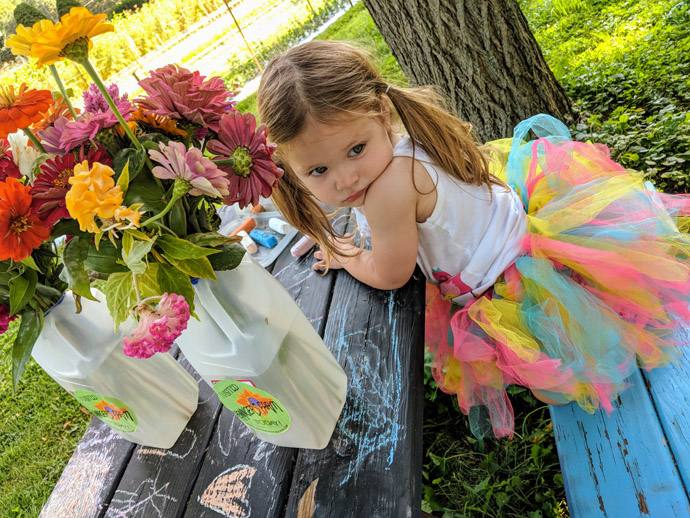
480 53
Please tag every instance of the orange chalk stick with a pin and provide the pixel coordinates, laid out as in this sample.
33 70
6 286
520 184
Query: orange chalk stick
257 208
246 225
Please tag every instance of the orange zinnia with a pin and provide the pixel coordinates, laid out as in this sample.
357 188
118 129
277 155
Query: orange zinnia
20 230
19 110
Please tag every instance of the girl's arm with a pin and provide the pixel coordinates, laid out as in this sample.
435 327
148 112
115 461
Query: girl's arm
391 210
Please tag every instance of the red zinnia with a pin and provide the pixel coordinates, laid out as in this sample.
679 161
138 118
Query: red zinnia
254 173
19 110
20 230
7 165
52 184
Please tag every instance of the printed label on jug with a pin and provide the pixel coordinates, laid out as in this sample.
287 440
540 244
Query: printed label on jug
255 407
110 410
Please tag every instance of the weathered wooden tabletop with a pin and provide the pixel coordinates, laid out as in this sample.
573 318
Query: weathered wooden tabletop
371 467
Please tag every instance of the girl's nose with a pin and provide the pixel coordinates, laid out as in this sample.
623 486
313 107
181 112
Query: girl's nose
347 178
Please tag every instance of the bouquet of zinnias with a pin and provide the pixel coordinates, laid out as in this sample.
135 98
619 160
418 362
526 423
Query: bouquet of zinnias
123 193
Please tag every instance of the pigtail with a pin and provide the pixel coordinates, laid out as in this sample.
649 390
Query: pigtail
446 139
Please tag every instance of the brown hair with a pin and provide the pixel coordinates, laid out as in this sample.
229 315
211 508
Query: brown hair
320 81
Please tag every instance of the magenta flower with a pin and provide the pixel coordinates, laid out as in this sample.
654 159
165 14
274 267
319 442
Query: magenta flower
7 166
158 327
50 137
5 318
94 102
177 93
254 173
52 184
192 166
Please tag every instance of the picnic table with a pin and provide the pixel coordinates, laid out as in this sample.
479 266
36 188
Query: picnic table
371 467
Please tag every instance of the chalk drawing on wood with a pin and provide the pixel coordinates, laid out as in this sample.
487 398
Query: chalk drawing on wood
227 493
307 504
145 450
128 503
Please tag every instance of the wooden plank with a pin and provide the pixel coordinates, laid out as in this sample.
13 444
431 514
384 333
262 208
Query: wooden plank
242 475
157 482
619 465
91 475
372 466
670 390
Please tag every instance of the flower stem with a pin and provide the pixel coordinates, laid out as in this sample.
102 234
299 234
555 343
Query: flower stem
99 84
162 213
34 139
63 92
135 283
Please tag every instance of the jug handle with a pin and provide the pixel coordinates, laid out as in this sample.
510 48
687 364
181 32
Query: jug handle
217 312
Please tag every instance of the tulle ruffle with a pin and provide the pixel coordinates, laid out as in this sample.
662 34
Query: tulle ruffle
601 286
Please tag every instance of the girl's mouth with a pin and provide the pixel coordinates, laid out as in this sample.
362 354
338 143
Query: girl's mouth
355 196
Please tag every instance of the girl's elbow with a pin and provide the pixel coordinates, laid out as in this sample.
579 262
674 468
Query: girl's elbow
393 281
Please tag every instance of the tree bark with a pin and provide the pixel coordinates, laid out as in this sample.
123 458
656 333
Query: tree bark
480 53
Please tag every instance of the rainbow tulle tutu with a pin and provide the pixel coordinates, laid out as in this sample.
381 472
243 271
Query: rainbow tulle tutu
601 285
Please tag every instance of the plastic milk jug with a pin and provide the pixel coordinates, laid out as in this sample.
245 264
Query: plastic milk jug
147 401
263 358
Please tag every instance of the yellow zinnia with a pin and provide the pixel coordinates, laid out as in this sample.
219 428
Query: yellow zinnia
70 38
21 42
93 193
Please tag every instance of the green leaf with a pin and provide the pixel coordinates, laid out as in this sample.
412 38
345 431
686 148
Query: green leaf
131 158
181 249
65 227
148 281
107 259
123 181
177 220
172 280
144 189
29 261
22 289
195 267
212 239
29 330
127 242
134 260
74 271
229 257
118 291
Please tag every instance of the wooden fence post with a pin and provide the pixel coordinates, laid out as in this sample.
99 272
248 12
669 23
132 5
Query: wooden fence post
249 48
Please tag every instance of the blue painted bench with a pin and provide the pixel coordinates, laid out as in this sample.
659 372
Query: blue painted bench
635 462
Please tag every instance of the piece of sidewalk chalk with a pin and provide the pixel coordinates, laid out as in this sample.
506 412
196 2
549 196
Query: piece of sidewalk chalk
247 242
302 246
257 208
263 238
280 226
248 224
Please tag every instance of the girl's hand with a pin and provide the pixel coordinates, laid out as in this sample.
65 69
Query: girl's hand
321 263
344 245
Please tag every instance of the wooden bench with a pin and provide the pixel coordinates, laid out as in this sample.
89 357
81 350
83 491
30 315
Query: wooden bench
637 461
372 466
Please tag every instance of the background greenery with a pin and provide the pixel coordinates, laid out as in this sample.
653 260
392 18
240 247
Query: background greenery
624 64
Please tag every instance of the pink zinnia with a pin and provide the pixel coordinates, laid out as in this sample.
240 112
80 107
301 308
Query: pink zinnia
158 327
94 102
7 166
50 137
52 184
254 173
5 318
192 166
177 93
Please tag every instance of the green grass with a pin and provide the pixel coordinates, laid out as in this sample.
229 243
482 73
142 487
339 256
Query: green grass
40 425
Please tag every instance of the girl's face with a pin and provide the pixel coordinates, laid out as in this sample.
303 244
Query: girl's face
338 162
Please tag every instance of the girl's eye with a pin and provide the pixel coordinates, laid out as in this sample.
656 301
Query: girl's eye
317 171
356 150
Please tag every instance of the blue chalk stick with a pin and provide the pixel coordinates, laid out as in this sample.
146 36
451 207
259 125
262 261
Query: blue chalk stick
263 238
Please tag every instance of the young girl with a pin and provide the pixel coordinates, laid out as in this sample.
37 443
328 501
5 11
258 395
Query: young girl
556 268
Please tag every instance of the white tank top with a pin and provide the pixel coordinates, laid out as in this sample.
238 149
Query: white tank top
470 232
